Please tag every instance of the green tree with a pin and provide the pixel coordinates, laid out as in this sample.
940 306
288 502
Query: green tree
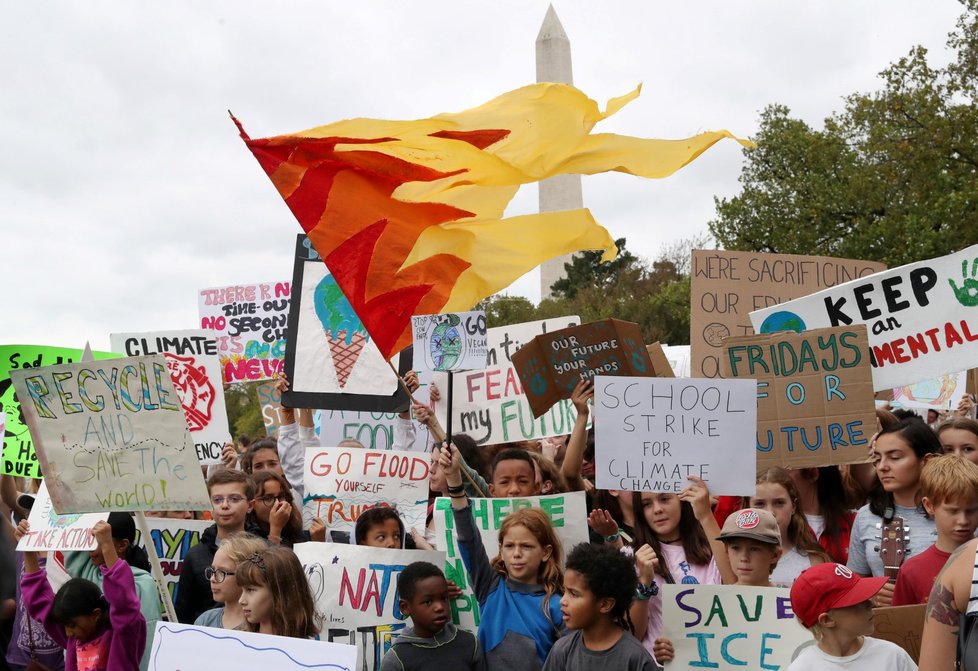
244 410
892 177
503 310
587 270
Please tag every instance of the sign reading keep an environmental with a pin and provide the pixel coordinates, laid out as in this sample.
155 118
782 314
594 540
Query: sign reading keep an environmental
552 364
726 286
51 531
111 435
922 317
815 402
653 433
355 589
731 627
451 341
341 483
249 323
489 405
191 359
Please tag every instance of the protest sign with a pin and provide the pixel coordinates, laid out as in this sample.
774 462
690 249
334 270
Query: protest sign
567 513
341 483
51 531
451 341
191 359
922 318
18 449
330 359
111 436
939 393
652 433
660 362
270 402
249 323
815 402
678 358
374 430
903 625
489 405
173 539
190 648
355 590
552 364
726 286
731 627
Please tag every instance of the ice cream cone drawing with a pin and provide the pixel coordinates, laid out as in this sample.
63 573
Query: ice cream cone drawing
344 332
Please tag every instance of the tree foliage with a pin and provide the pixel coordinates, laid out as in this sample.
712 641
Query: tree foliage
244 410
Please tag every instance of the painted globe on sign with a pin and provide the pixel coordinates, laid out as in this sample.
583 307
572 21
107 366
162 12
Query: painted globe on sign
782 321
446 346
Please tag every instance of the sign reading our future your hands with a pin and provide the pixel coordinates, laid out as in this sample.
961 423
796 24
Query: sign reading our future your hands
451 341
111 435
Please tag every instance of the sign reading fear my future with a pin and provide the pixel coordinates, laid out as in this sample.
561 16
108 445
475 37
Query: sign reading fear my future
815 402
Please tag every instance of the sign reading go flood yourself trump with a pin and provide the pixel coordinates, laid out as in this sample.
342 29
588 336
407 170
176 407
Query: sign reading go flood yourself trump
111 435
652 434
815 402
922 317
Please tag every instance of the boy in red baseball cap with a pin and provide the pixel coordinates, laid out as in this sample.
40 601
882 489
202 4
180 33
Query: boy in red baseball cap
833 602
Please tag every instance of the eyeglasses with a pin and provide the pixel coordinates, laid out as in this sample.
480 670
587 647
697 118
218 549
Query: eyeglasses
216 574
269 500
233 500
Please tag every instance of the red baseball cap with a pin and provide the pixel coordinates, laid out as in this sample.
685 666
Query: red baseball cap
823 587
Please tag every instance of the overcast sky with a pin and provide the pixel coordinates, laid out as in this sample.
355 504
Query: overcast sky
124 187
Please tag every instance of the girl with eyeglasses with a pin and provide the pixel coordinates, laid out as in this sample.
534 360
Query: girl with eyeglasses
275 512
275 595
224 586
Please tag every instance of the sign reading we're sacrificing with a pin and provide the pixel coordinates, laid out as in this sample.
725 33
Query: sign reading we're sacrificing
815 402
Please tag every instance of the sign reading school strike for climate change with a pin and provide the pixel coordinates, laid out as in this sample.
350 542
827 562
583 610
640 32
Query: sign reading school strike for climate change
341 483
111 436
19 457
552 364
567 513
922 317
191 359
652 433
730 627
249 323
490 405
355 588
814 394
726 286
451 341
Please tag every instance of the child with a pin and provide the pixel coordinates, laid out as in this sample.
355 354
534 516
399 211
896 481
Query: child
380 527
100 633
224 586
518 590
959 435
599 584
275 595
232 495
274 512
513 474
433 643
833 602
949 491
753 543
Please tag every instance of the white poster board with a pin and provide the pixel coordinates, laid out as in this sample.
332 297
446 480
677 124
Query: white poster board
939 393
191 359
678 357
452 341
111 435
922 317
374 430
51 531
173 539
652 433
341 483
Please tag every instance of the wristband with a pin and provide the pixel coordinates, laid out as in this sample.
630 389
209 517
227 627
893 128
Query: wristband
456 490
613 537
645 592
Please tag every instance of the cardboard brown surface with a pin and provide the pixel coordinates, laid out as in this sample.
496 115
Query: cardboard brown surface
660 364
726 286
903 625
815 402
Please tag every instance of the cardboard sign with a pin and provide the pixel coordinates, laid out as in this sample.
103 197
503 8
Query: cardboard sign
51 531
330 359
489 405
815 402
191 359
660 362
355 589
19 457
552 364
903 625
730 627
340 483
726 286
270 402
939 393
190 648
567 513
173 539
651 434
451 341
922 317
111 436
249 322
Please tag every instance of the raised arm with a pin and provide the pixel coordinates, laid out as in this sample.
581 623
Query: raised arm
574 456
698 496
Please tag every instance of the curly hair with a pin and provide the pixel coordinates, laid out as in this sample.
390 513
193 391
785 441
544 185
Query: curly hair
414 573
609 575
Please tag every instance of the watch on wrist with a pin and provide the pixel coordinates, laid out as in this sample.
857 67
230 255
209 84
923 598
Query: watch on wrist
613 537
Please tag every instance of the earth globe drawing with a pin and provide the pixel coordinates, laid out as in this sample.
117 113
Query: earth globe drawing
446 345
782 320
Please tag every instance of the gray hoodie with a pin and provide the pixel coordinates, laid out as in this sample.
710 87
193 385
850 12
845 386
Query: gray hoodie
450 649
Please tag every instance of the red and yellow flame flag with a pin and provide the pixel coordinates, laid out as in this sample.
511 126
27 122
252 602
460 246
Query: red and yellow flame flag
408 215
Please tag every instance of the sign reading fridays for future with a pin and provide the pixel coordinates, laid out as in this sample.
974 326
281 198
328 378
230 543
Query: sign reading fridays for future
922 317
111 435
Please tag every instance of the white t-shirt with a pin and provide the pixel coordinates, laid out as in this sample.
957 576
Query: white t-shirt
875 654
789 567
817 524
